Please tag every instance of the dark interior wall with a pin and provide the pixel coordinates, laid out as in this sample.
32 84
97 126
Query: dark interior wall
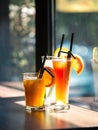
4 38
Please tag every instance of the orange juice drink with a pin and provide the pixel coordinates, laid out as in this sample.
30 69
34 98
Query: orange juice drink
62 69
34 91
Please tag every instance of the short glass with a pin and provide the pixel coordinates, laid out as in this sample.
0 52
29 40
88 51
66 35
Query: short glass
62 69
50 91
34 91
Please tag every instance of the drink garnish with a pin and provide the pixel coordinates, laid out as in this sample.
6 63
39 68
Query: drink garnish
48 70
69 54
48 76
77 62
63 49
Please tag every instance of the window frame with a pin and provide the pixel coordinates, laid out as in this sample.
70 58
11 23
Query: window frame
45 29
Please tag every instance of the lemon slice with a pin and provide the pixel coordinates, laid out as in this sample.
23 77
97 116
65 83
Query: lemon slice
61 54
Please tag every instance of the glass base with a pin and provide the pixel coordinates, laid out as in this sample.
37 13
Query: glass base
36 108
58 107
52 108
96 99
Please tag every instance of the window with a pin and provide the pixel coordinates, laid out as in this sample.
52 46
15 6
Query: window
81 18
29 30
17 42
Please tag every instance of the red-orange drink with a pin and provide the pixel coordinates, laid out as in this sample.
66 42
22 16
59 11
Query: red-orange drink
62 69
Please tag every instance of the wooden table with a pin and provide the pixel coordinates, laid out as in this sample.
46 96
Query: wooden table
13 115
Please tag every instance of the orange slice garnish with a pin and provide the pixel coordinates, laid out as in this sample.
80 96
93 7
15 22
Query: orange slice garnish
77 62
48 79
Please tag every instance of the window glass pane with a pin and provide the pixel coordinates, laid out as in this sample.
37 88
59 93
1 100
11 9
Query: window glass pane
81 18
19 51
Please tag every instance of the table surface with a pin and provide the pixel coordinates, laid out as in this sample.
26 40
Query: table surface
13 115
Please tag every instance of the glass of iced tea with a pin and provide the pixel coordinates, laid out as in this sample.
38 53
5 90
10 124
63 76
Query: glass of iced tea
34 91
62 70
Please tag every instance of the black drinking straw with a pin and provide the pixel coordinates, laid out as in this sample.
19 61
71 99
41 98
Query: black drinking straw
49 72
72 36
42 69
61 45
42 66
71 44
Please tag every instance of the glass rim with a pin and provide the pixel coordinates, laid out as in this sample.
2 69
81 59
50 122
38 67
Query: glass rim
47 57
53 57
30 73
61 58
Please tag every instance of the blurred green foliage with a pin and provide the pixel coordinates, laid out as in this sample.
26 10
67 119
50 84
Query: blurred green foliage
22 32
17 46
19 2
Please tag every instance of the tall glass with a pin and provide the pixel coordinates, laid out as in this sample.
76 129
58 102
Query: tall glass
95 79
50 91
34 91
62 69
95 72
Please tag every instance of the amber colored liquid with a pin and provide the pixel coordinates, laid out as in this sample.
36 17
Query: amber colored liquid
62 69
34 92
